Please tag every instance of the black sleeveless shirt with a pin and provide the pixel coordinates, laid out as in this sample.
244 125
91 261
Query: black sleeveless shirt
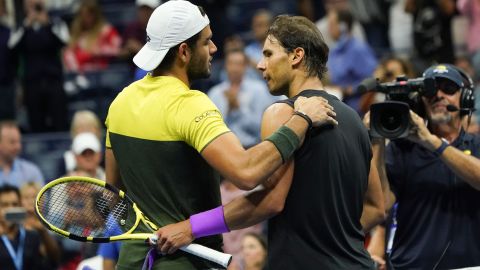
319 227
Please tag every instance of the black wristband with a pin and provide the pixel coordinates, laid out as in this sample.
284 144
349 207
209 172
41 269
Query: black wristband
439 151
286 142
306 117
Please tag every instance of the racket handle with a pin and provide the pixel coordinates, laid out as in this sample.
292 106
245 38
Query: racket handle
209 254
206 253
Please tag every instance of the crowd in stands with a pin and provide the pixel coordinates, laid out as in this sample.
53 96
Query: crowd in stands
63 61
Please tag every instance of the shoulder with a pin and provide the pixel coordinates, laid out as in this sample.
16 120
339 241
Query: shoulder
278 111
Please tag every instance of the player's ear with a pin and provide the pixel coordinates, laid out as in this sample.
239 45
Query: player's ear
297 56
184 52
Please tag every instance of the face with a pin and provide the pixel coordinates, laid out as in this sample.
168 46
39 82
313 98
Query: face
10 143
393 69
235 65
253 252
275 67
143 14
29 193
333 27
88 160
436 107
260 25
88 17
8 200
200 64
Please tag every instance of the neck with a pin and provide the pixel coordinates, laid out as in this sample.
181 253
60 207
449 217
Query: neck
6 164
176 72
303 82
449 131
12 231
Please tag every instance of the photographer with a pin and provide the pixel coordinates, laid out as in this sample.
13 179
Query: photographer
21 248
434 176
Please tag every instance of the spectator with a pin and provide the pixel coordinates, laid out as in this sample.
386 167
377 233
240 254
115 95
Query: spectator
87 150
350 60
94 41
38 43
387 71
261 21
14 170
19 240
134 35
240 100
7 79
373 15
49 247
432 34
254 251
83 121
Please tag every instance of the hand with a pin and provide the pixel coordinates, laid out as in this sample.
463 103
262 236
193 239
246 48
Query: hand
379 262
174 236
420 134
318 109
366 120
232 97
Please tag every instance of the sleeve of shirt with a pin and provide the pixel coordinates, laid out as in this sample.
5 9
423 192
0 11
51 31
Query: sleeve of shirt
109 250
199 121
395 168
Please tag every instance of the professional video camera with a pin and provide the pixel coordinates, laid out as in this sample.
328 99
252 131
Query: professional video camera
391 119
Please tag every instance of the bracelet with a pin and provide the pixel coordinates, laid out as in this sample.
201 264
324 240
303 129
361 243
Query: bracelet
439 151
286 142
306 117
208 223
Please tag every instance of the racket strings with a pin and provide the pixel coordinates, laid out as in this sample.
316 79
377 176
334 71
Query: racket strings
85 209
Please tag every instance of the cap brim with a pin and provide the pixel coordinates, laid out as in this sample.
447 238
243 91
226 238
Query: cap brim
450 78
148 59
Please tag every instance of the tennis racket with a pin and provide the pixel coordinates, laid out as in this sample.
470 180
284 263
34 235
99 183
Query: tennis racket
90 210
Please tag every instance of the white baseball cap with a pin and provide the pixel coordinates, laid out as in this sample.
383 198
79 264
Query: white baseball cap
149 3
170 24
84 141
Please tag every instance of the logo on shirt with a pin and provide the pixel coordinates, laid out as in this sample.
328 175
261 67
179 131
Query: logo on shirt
205 115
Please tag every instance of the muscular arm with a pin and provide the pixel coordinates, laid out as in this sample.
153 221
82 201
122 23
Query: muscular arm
373 203
247 210
248 168
465 166
263 204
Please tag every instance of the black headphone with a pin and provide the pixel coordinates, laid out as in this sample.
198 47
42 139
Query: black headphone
467 95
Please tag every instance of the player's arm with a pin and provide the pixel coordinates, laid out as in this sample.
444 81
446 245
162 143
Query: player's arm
246 210
112 172
373 204
260 205
248 168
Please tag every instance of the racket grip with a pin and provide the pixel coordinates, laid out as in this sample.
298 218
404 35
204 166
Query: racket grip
209 254
206 253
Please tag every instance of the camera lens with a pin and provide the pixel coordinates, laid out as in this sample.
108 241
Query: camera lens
390 119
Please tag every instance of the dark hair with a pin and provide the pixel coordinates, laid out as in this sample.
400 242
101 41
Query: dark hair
167 61
9 188
345 16
296 31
